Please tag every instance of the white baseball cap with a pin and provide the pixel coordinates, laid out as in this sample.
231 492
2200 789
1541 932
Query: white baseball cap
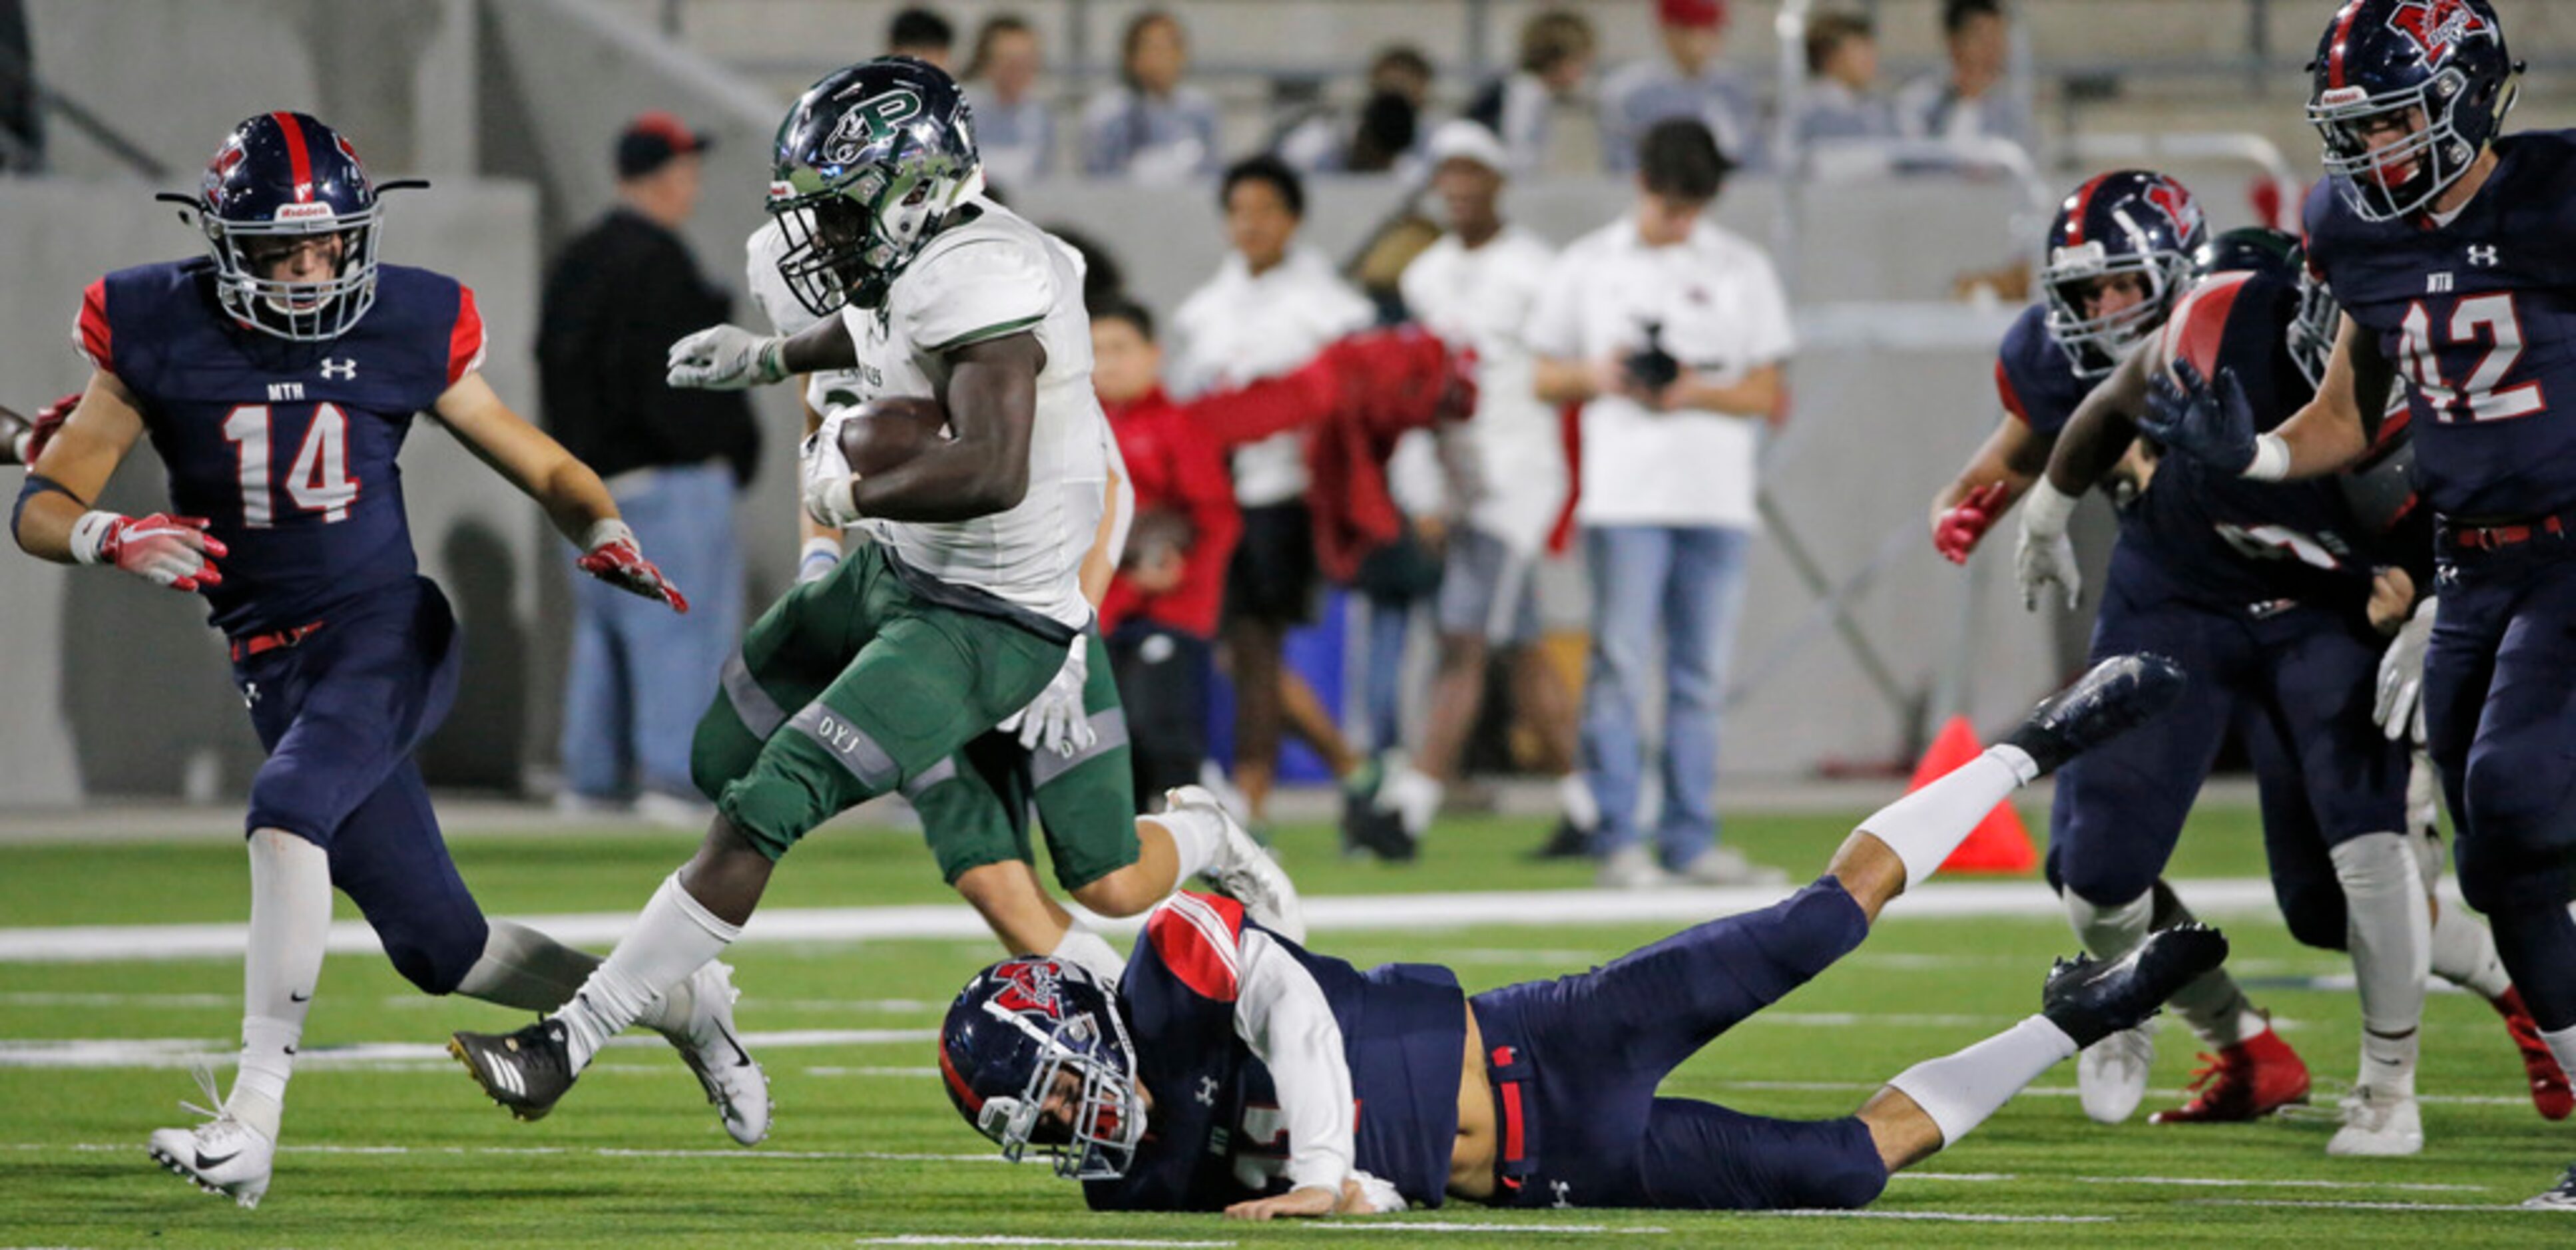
1461 139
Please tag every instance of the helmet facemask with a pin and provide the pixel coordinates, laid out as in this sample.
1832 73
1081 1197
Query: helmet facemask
2095 343
2403 177
848 240
310 311
1108 1114
2312 332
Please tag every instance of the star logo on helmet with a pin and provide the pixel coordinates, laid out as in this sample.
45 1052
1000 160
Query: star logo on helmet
2437 26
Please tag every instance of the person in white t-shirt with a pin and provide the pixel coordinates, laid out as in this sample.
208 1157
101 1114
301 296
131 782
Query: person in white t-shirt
1507 483
1270 307
1672 333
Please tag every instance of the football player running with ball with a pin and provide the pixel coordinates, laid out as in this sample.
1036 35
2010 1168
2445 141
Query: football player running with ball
2447 245
277 380
963 610
1232 1069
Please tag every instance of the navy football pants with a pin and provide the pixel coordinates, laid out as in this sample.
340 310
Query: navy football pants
2298 686
340 715
1587 1052
2500 712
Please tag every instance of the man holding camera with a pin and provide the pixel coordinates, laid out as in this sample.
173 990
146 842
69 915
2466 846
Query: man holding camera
1671 333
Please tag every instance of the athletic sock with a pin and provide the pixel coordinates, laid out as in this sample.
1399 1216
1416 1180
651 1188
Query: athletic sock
2562 1043
1925 826
2389 931
1084 946
290 919
523 968
1960 1090
1198 838
1574 797
1413 795
673 936
2464 954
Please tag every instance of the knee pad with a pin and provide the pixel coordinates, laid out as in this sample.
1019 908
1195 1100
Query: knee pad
2315 913
437 958
2518 793
2498 877
1847 1182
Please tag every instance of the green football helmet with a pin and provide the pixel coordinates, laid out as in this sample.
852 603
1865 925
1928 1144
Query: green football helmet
868 166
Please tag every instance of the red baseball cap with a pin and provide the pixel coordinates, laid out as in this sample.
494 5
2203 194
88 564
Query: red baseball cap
652 139
1700 13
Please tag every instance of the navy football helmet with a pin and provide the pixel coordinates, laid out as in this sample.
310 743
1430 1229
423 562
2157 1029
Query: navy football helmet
867 167
2434 73
279 180
2128 223
1028 1030
2260 249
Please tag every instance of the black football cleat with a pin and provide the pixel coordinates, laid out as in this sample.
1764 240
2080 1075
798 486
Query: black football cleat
1377 831
1570 841
526 1072
2091 1000
2118 695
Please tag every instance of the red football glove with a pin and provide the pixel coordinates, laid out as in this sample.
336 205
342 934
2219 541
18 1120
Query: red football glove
1959 529
165 550
47 422
614 559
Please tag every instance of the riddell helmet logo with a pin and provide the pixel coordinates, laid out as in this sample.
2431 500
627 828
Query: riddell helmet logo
2438 26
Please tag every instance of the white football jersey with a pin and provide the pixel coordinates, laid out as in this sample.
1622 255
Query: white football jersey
983 279
1514 477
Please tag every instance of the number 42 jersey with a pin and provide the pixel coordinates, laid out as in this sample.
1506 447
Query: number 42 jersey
2478 317
288 449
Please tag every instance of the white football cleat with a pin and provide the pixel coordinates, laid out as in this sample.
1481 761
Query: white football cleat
222 1156
2377 1124
2111 1074
2558 1197
1243 870
708 1043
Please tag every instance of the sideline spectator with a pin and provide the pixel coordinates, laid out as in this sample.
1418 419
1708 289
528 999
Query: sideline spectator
1269 307
1151 127
1671 332
619 295
1555 59
923 35
1475 288
1686 80
1160 616
1014 129
22 116
1842 101
1971 99
1388 127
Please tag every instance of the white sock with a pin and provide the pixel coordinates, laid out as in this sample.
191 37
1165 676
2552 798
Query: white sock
1084 946
2390 933
1414 796
1197 839
2562 1044
2211 1004
1574 797
1925 826
290 919
523 968
1960 1090
673 936
2464 954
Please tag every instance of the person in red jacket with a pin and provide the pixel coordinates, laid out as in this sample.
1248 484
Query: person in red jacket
1160 614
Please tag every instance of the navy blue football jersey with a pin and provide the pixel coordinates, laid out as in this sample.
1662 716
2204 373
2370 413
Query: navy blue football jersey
2215 538
2035 377
288 449
1214 1136
2477 317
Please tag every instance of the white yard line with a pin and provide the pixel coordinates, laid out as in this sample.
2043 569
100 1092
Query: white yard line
1339 914
2212 1182
2437 1207
181 1052
1952 1217
937 1239
857 1156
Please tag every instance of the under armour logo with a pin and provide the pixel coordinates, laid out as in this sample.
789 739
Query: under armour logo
1562 1189
338 370
1207 1091
2482 255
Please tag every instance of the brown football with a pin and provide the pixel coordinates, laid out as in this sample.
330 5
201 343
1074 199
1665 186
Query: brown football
883 433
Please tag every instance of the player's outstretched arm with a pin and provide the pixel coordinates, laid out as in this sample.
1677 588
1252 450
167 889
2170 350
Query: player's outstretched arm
1282 1015
572 495
53 520
730 358
2339 426
2004 466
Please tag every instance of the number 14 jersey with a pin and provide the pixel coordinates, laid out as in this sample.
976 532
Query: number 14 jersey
287 448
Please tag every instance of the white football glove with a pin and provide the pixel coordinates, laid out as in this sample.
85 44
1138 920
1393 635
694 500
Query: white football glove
831 489
1054 720
2400 706
2044 557
726 358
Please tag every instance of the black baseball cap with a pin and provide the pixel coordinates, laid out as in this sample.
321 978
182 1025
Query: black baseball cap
652 139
